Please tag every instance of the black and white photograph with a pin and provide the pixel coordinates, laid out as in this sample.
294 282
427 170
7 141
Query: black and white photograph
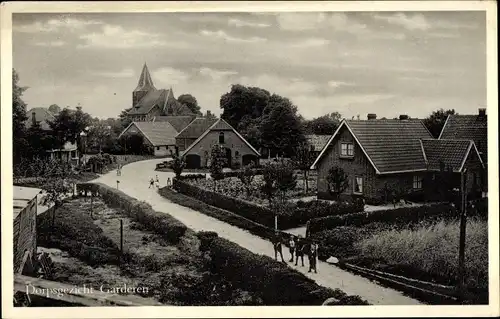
326 157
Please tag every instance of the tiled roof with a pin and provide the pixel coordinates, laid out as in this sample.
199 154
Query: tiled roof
449 152
148 101
178 122
392 145
470 127
145 82
318 141
196 128
22 196
158 133
42 115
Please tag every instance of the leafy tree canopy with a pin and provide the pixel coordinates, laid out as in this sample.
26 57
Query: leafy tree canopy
323 125
436 120
191 102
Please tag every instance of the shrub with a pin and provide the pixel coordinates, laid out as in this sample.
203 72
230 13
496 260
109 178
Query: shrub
278 283
192 176
161 223
339 242
394 216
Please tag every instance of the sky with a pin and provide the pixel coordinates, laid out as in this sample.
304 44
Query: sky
354 63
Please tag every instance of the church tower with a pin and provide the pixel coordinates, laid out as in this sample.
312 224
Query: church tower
143 87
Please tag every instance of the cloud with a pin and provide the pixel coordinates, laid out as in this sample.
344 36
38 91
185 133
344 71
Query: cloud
241 23
311 42
169 76
125 73
416 21
215 75
57 43
337 84
224 36
338 21
54 25
288 87
115 36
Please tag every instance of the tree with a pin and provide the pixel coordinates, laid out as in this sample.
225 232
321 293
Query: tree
18 119
99 134
178 163
54 109
303 158
124 119
217 162
436 120
246 175
280 126
191 102
337 181
323 125
39 142
268 186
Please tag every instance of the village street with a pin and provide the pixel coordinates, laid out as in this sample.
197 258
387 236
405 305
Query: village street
134 181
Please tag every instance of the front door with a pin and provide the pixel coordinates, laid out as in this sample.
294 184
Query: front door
228 157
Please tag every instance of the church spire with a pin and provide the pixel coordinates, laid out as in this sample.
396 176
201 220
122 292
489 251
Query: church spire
145 81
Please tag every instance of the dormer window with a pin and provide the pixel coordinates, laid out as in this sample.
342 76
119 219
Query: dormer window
346 149
221 138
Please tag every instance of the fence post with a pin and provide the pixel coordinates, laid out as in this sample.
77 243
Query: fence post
92 205
121 236
463 224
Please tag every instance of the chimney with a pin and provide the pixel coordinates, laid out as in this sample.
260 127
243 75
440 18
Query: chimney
33 118
482 112
403 117
371 116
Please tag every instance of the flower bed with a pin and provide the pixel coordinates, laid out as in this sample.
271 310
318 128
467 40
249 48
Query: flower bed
278 283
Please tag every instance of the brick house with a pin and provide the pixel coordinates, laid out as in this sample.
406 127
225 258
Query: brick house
158 135
316 143
392 154
237 149
470 127
25 212
192 132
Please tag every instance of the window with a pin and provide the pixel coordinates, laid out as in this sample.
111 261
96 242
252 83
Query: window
347 149
221 138
358 185
236 154
417 182
157 148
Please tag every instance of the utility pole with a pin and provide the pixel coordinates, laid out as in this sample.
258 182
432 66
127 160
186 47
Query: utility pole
463 224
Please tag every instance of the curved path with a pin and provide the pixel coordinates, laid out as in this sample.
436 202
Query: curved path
134 181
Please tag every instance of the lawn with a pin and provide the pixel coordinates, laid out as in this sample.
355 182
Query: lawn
174 274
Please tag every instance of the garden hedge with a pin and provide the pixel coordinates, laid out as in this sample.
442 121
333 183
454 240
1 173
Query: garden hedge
277 283
298 216
395 216
161 223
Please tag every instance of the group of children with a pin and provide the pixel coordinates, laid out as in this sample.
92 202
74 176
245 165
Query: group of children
298 248
156 182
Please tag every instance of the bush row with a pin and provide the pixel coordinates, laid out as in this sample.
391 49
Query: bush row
393 216
161 223
277 283
305 211
192 176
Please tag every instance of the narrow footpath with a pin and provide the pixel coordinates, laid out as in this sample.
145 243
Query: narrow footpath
134 181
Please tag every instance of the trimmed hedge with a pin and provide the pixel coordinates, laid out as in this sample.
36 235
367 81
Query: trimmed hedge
161 223
192 176
300 215
277 283
394 216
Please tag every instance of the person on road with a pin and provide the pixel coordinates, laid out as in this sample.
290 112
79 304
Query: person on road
277 246
291 244
299 251
151 183
313 254
169 182
157 182
119 170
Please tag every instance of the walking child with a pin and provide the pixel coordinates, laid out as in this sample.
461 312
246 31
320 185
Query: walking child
313 254
151 183
277 247
157 182
299 251
291 244
169 182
